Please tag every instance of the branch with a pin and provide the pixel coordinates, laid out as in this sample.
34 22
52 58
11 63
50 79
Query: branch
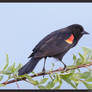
40 74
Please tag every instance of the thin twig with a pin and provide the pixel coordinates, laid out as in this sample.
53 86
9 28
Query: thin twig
17 85
16 82
40 74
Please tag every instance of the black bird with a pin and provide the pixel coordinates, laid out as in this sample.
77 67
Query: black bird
56 44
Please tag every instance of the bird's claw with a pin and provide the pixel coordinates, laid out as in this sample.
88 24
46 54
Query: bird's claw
43 71
64 67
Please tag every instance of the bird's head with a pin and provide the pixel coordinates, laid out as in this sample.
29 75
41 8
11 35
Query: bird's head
77 30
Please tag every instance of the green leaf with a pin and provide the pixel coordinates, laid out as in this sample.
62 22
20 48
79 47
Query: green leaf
1 85
34 82
9 77
55 80
72 71
33 72
75 77
13 67
70 66
21 76
58 77
69 82
50 75
85 75
89 79
78 61
86 51
59 86
60 83
90 57
18 67
82 58
66 75
89 86
41 87
50 85
78 70
77 83
9 70
1 77
74 58
43 81
7 62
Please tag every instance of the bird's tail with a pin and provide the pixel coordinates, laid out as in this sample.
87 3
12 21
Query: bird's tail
27 68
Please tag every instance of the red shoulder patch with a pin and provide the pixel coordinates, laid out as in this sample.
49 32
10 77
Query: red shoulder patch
70 39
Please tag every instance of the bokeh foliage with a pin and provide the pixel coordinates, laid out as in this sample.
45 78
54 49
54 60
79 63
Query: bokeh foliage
55 80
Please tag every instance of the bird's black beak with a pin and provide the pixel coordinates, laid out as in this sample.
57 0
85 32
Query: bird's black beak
84 32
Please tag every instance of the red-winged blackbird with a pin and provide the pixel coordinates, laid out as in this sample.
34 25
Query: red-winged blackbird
56 44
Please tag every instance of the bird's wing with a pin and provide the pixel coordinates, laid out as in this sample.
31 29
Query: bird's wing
42 42
54 45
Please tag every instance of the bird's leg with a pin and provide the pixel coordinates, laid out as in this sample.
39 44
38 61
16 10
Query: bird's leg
44 65
64 65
